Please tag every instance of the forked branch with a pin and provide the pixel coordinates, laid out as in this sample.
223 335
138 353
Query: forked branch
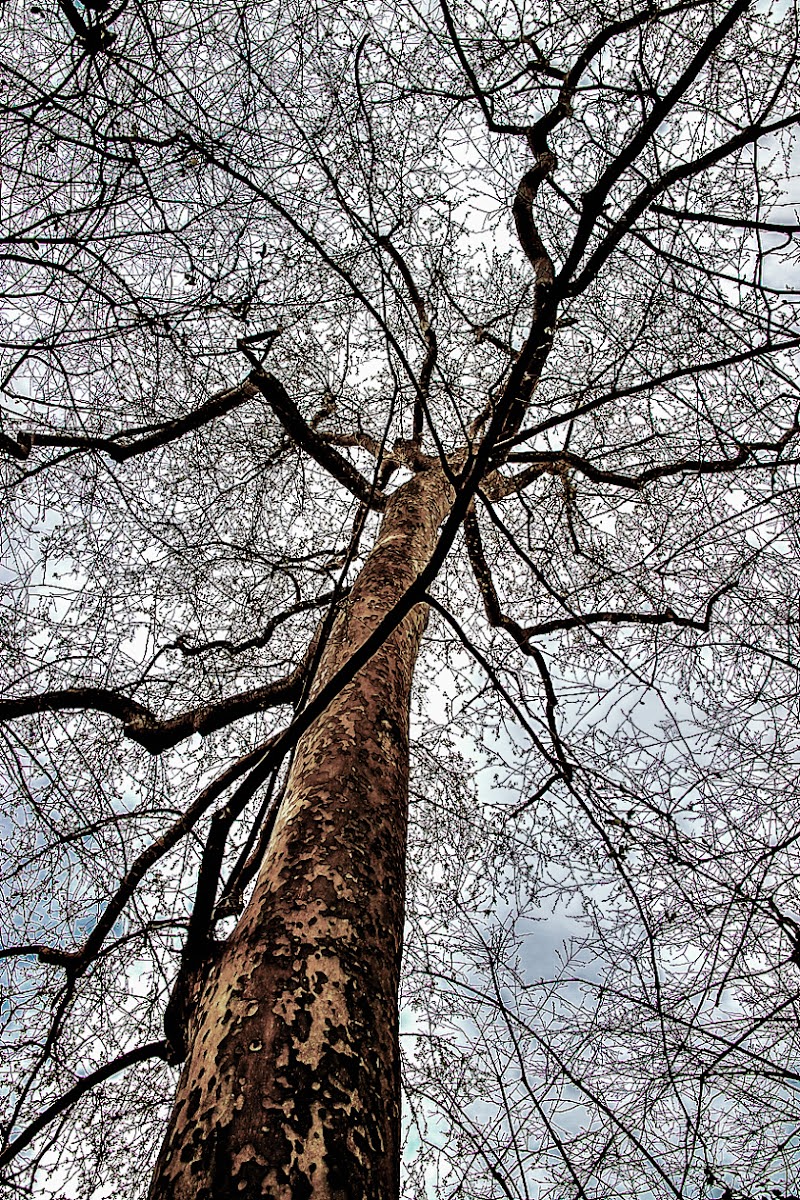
142 726
318 447
75 962
128 443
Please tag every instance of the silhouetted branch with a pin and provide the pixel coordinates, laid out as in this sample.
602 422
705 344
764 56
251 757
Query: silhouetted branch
644 385
199 946
648 194
498 619
316 446
733 222
142 726
595 198
557 461
78 1089
75 962
428 337
496 682
610 617
127 443
260 639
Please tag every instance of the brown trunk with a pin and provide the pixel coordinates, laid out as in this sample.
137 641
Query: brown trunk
291 1087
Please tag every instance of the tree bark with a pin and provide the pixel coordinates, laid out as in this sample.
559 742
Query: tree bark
291 1086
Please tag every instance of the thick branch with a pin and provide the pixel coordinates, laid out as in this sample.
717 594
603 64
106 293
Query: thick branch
522 210
309 440
75 962
117 445
469 483
559 461
78 1089
142 726
271 755
350 441
199 946
609 617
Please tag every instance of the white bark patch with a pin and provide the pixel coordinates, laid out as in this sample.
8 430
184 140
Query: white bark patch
327 1009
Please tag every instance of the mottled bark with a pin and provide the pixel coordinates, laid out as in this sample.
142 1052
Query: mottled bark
291 1086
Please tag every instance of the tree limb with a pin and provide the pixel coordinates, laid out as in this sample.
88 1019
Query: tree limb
556 461
753 133
498 619
75 962
733 222
142 726
316 446
117 447
428 337
78 1089
260 639
595 198
643 386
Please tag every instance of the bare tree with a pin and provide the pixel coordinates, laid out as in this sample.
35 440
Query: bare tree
399 446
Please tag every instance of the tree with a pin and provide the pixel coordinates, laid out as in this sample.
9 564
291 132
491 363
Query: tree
323 325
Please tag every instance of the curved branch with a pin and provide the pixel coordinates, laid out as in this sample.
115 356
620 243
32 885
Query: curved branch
753 133
482 660
610 617
117 447
142 726
522 209
260 639
477 90
498 619
309 440
570 81
140 1054
575 620
595 198
644 386
75 962
558 461
527 367
428 337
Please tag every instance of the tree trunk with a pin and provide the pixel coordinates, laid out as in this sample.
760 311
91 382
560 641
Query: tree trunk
291 1087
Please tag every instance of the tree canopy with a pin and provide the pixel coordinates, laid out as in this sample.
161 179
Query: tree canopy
261 264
